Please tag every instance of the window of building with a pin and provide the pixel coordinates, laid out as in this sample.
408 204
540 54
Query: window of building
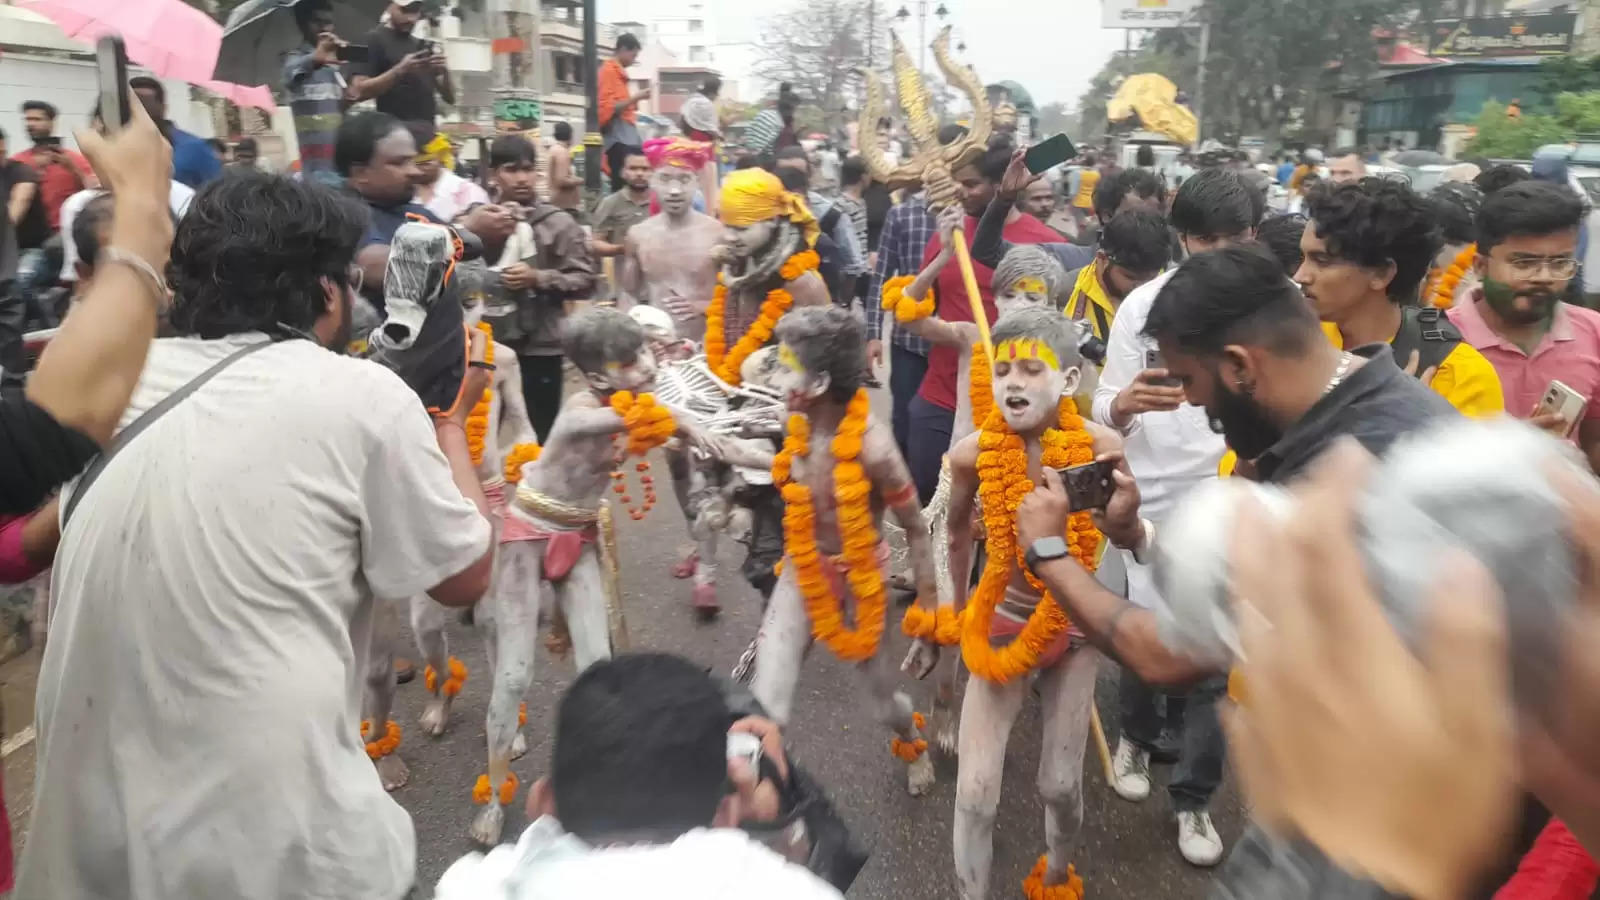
696 26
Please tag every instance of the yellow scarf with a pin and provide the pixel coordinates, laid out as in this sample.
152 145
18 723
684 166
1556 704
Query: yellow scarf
756 195
1089 301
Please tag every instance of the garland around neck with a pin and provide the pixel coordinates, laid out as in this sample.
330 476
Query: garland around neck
787 244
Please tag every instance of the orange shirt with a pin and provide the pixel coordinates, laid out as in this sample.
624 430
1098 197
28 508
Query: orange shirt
613 90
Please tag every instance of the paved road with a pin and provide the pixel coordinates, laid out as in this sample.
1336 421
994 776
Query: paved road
1127 850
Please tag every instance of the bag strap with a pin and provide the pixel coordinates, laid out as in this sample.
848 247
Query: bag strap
126 435
1427 332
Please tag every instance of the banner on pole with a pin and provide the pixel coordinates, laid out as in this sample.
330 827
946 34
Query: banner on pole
1147 13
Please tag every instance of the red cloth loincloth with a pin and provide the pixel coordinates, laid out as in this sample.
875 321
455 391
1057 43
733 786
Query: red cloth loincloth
1003 628
563 547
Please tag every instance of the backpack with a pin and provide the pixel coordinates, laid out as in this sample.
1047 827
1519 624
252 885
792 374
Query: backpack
1428 333
831 268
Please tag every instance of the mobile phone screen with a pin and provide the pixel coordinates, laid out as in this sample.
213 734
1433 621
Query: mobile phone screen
111 59
353 53
1089 486
1049 153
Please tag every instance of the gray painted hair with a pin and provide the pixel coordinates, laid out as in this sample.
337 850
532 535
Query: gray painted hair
1032 261
828 340
601 335
1042 324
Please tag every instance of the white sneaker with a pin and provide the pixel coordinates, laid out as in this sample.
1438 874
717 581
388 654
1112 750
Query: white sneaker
1198 841
1130 771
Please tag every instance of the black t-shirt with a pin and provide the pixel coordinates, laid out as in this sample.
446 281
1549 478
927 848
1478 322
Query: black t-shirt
411 98
34 228
37 454
13 173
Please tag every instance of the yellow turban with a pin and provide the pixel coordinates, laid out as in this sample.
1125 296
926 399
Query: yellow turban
438 149
756 195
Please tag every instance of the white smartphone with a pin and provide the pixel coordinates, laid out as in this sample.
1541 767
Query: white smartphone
1564 402
111 59
746 746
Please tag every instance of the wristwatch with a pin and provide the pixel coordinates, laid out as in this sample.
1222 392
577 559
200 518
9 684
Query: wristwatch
1044 550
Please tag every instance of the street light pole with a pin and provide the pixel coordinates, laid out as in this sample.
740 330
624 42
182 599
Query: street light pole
591 85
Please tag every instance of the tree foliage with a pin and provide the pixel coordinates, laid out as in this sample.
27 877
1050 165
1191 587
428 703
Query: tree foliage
819 47
1502 137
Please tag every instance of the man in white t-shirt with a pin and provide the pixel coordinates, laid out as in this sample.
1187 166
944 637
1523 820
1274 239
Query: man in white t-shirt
199 701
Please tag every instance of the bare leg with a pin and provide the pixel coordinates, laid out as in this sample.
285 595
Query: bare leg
519 582
582 596
381 686
947 681
682 471
893 709
780 647
987 714
427 623
1066 691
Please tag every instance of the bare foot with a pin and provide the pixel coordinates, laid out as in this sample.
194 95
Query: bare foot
487 823
944 730
435 716
392 772
705 601
519 746
685 567
919 775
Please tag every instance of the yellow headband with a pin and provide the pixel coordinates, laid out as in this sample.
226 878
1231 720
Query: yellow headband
756 195
438 149
1029 285
789 360
1026 348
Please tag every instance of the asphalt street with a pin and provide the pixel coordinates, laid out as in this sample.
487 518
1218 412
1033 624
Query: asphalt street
1126 851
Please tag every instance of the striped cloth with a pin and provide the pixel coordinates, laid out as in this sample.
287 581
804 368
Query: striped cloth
762 133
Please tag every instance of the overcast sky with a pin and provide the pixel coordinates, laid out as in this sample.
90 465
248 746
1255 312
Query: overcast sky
1051 48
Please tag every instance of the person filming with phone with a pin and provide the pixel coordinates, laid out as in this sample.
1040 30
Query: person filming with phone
1546 352
314 79
403 73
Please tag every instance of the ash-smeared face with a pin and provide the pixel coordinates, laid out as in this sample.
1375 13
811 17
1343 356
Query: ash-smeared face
742 241
675 188
1029 383
798 387
1021 294
638 376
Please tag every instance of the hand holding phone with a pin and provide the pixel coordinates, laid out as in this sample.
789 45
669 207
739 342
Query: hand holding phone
1559 410
1153 363
1089 486
111 63
1049 153
350 53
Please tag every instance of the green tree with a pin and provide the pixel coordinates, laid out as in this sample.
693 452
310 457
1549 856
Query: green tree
1502 137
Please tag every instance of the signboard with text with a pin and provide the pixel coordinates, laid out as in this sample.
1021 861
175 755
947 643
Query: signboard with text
1147 13
1546 34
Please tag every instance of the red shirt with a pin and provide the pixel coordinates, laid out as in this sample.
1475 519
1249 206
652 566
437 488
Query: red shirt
57 182
939 385
1569 353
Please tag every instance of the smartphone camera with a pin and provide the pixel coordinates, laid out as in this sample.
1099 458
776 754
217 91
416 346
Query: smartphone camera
1089 486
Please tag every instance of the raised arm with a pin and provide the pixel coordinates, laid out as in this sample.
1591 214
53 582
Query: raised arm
891 480
989 245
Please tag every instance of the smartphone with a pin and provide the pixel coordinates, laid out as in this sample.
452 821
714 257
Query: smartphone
111 58
1564 402
1049 153
52 141
1153 360
1089 486
746 746
353 53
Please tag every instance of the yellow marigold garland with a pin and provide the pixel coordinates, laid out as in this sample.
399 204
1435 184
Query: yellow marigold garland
522 714
385 745
980 385
508 790
1441 290
1034 888
478 419
1002 483
725 363
520 455
452 683
649 425
941 626
853 493
906 309
912 750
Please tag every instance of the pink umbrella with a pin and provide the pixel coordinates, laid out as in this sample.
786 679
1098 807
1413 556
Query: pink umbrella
259 96
168 37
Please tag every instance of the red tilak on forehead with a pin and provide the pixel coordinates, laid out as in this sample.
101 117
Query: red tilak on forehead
1026 348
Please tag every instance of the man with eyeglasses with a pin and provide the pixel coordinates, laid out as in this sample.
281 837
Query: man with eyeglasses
1366 249
1527 249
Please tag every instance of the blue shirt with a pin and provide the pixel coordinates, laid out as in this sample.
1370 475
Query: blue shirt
193 161
1285 172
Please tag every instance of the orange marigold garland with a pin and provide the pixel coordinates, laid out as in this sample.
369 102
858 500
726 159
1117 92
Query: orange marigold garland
980 385
522 714
1442 285
520 455
478 419
1002 483
725 363
385 745
508 790
910 751
853 493
452 683
648 425
940 626
906 309
1034 888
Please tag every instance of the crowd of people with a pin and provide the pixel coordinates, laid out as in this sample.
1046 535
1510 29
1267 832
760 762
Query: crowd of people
277 419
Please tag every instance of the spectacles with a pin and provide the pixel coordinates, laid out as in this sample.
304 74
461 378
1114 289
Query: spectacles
1557 266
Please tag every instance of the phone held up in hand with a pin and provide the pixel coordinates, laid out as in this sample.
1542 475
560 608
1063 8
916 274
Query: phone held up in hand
111 59
1153 360
353 53
1049 153
1564 402
1089 486
746 746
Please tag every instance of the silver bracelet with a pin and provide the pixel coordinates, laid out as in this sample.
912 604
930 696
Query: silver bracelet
118 256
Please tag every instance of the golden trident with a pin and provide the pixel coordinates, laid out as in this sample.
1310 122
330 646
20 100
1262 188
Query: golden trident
932 163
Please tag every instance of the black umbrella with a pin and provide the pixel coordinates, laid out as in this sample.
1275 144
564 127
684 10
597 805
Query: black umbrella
260 33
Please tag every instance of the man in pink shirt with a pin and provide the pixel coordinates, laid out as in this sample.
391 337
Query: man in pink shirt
1527 247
